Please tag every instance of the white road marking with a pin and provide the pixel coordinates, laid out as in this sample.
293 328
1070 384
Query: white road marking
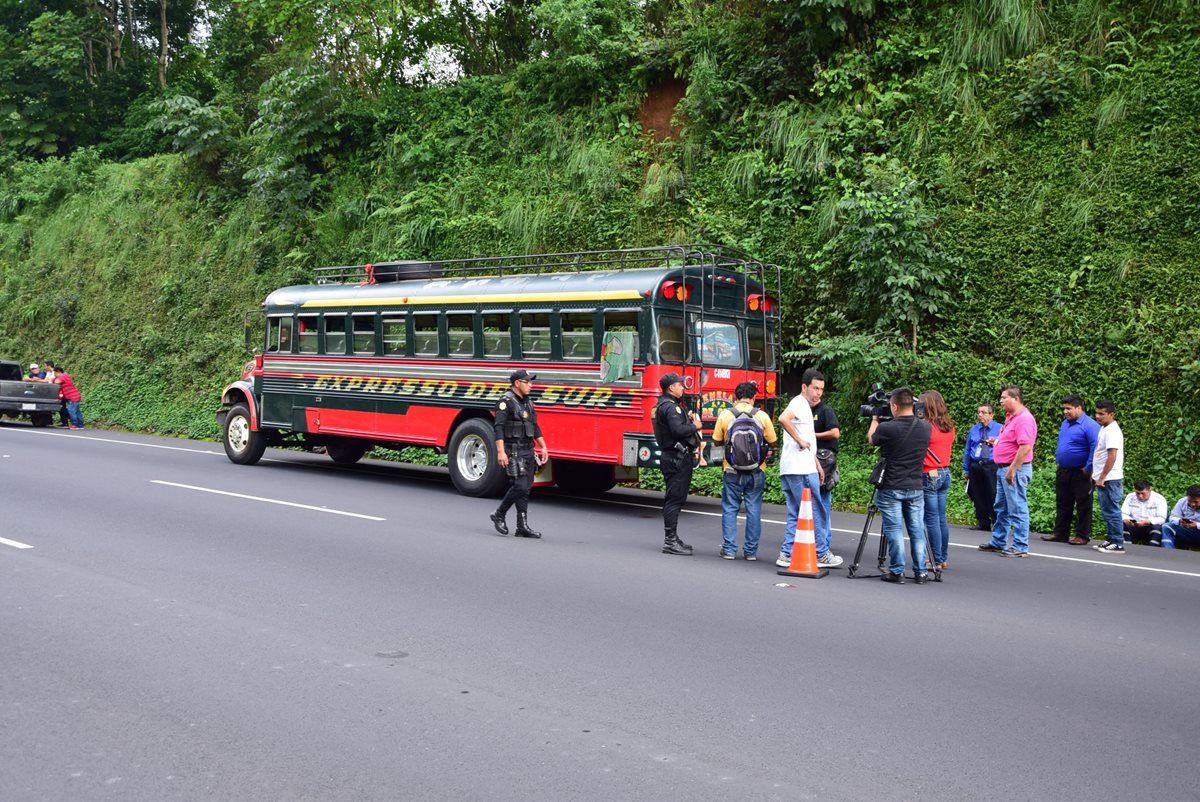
268 500
16 544
74 436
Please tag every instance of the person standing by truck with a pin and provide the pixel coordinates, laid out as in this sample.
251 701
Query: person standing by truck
71 395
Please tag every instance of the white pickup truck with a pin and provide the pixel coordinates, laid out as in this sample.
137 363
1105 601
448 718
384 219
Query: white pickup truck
19 397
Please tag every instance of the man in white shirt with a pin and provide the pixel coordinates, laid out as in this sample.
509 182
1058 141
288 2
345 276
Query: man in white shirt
1108 472
1143 514
799 469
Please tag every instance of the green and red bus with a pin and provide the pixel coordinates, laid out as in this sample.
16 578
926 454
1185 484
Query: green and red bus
403 354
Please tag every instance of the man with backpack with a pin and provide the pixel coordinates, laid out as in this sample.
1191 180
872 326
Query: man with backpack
799 469
747 435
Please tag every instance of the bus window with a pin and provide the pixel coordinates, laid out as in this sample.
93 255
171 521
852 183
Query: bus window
497 336
720 343
395 335
535 336
762 349
306 328
279 335
335 334
670 339
577 343
625 321
425 335
364 334
460 336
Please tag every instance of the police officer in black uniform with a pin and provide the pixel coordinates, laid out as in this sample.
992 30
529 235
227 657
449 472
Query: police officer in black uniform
517 432
677 431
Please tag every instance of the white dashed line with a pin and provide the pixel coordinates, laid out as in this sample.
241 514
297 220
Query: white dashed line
268 500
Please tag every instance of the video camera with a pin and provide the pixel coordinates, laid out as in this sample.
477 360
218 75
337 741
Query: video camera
879 404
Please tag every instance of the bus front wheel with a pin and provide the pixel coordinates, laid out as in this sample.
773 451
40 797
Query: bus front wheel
472 459
243 445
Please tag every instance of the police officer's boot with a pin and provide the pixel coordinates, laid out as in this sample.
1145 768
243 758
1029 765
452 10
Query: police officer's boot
673 545
523 529
498 520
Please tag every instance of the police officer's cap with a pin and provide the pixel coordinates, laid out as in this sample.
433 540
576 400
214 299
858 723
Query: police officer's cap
668 379
521 374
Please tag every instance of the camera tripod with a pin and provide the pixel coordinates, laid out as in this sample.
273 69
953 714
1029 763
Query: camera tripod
872 510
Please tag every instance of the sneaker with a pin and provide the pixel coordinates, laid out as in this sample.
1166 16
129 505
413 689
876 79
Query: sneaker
895 579
1101 545
989 547
1013 553
750 557
920 579
1111 548
784 561
728 555
829 560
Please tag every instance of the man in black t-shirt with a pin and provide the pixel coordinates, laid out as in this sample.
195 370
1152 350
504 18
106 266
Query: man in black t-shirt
899 496
828 430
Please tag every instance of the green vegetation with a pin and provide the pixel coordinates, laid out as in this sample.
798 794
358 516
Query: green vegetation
961 195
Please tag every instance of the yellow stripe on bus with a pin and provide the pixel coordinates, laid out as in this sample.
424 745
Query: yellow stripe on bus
501 297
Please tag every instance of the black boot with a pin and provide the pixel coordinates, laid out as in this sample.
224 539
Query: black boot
523 529
499 522
673 545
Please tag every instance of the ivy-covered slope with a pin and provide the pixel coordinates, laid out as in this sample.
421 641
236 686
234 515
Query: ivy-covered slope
957 204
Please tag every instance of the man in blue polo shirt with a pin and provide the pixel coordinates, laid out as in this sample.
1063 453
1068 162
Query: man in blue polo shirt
1073 477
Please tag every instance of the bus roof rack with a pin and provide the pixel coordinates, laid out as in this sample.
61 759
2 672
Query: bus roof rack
701 254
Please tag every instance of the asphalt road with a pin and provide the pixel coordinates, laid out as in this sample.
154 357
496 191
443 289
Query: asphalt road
184 628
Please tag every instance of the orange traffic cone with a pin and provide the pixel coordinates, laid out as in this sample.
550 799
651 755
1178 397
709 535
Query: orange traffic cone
804 548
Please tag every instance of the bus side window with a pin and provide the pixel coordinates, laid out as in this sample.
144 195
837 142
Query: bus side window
395 335
625 321
364 334
497 336
306 328
535 336
762 349
425 335
460 336
577 342
335 333
670 339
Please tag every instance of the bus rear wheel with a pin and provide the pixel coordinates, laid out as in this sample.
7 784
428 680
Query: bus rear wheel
243 445
471 457
583 477
346 453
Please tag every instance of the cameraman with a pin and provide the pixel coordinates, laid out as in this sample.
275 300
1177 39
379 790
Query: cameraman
900 495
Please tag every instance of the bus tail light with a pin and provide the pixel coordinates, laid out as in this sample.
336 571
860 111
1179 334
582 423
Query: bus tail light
258 362
759 302
676 291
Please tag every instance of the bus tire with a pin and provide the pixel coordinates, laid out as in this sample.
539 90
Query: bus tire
243 445
40 420
471 457
346 453
584 477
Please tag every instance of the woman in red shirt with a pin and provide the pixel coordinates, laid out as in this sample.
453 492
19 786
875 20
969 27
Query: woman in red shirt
936 480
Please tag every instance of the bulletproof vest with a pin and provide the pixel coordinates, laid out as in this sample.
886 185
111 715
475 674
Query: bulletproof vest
662 430
518 424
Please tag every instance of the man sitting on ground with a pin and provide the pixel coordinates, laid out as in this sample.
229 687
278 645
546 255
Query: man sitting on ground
1183 527
1144 512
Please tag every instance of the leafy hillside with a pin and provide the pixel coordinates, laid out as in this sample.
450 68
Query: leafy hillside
961 195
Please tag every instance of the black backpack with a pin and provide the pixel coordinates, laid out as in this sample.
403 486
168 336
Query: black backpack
746 445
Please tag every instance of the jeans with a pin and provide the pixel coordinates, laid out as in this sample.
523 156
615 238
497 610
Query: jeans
901 509
1177 533
75 415
1012 508
825 533
793 491
741 486
1110 495
937 487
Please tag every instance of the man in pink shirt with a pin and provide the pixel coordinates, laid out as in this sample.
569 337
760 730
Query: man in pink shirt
1013 453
